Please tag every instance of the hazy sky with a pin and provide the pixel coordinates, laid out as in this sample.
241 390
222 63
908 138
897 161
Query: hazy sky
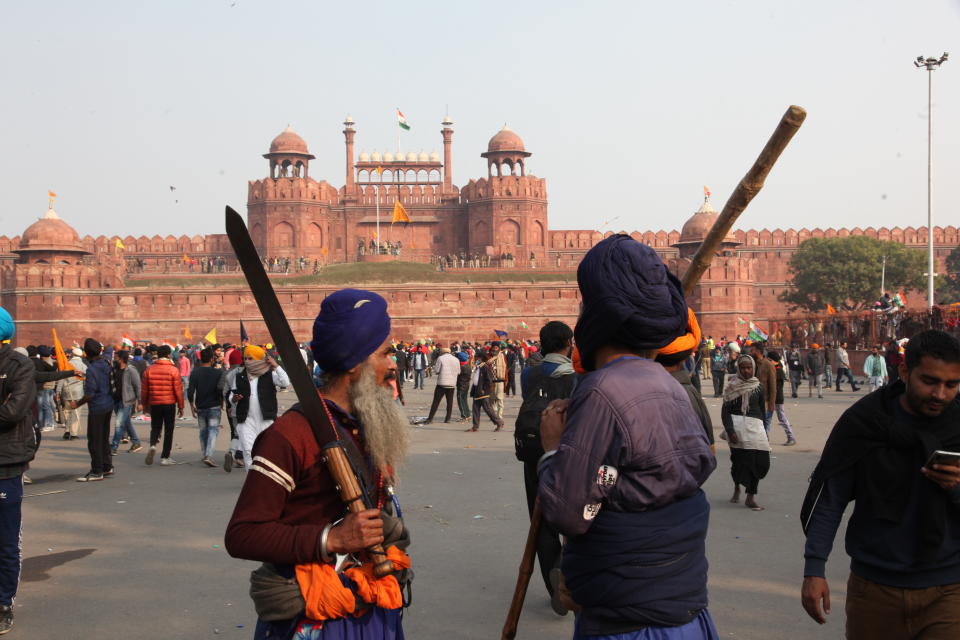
629 108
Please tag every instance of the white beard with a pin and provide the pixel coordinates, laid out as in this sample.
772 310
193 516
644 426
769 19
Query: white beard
385 428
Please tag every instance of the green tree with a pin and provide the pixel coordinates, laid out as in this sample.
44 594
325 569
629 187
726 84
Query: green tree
846 272
948 284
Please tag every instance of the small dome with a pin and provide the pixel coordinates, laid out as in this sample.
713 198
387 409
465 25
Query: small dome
288 142
695 229
376 157
411 157
434 156
388 157
423 157
505 140
364 156
51 233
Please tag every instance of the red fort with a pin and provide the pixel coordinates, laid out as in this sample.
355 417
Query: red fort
50 276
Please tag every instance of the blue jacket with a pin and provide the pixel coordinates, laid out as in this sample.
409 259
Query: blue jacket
97 385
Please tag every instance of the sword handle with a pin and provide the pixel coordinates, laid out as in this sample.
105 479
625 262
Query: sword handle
349 489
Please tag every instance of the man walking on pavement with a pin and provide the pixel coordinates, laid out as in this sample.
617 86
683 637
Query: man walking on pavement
70 390
794 369
904 535
497 363
129 401
163 398
815 365
205 393
875 368
843 367
766 373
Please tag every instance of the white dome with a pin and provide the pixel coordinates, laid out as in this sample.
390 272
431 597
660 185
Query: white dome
388 157
434 156
411 157
423 157
364 156
376 157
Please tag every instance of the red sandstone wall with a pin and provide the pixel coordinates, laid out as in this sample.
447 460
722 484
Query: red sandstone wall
440 312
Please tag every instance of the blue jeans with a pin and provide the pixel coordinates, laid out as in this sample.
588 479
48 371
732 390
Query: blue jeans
209 420
45 408
124 425
11 497
418 378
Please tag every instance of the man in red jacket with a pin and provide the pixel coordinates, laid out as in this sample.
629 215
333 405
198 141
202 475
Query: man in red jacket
162 393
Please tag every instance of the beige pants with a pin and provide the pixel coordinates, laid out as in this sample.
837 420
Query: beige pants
877 611
71 418
496 399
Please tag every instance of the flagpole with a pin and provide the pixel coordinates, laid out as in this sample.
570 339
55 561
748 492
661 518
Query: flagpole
377 187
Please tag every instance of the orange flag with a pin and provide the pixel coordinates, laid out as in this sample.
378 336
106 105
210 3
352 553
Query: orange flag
830 309
186 333
62 363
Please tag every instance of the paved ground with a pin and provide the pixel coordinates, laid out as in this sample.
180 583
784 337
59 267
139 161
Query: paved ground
141 555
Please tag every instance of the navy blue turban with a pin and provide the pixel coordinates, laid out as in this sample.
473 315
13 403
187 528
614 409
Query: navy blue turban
629 299
351 325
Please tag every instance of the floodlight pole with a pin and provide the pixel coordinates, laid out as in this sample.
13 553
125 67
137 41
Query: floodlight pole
930 64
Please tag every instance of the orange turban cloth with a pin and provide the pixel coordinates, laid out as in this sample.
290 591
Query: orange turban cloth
255 352
689 341
814 346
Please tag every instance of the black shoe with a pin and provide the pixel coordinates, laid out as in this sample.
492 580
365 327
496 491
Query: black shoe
6 619
66 436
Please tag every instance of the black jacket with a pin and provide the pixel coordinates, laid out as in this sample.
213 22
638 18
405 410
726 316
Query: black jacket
266 395
18 392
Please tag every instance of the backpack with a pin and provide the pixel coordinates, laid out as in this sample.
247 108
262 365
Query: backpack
116 385
526 437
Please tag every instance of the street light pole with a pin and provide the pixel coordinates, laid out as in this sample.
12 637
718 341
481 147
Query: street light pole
930 64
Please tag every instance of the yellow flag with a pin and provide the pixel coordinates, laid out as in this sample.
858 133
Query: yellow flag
399 213
378 170
62 363
119 244
212 336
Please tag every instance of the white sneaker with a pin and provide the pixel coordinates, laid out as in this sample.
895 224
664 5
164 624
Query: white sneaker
166 462
46 429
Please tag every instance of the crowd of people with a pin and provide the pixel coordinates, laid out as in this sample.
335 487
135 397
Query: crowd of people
613 433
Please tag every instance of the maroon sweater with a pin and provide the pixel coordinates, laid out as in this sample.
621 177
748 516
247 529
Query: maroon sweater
288 496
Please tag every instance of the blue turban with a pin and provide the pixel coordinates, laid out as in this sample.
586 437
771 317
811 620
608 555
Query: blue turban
351 325
629 299
462 356
7 328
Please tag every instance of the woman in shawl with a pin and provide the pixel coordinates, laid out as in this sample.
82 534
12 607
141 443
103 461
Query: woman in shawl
742 417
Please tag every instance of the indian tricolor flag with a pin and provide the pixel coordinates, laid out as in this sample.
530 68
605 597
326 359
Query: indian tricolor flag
126 340
402 120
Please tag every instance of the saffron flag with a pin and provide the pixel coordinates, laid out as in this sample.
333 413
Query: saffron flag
212 336
399 213
51 194
185 258
119 244
706 192
323 251
244 338
830 309
186 334
402 120
378 170
126 340
62 363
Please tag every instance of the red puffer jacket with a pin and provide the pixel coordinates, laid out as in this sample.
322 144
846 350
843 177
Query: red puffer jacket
162 385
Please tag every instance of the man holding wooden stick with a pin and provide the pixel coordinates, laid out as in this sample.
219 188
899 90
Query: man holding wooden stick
625 459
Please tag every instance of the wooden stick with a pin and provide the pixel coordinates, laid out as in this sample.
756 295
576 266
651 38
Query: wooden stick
523 578
352 496
749 187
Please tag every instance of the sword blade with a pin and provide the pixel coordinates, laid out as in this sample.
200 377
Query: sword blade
279 328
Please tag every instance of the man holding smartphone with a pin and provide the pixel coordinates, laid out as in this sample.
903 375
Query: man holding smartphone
904 534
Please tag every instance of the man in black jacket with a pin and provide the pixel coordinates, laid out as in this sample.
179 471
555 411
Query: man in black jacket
904 534
18 444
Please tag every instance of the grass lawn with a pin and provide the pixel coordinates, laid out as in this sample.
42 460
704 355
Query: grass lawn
362 273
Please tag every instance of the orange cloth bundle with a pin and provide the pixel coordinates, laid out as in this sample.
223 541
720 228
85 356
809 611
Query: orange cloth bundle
687 342
326 597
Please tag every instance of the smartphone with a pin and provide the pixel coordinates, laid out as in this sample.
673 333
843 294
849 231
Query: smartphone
943 457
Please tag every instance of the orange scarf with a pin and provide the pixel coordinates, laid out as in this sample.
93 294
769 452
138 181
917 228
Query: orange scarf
327 598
